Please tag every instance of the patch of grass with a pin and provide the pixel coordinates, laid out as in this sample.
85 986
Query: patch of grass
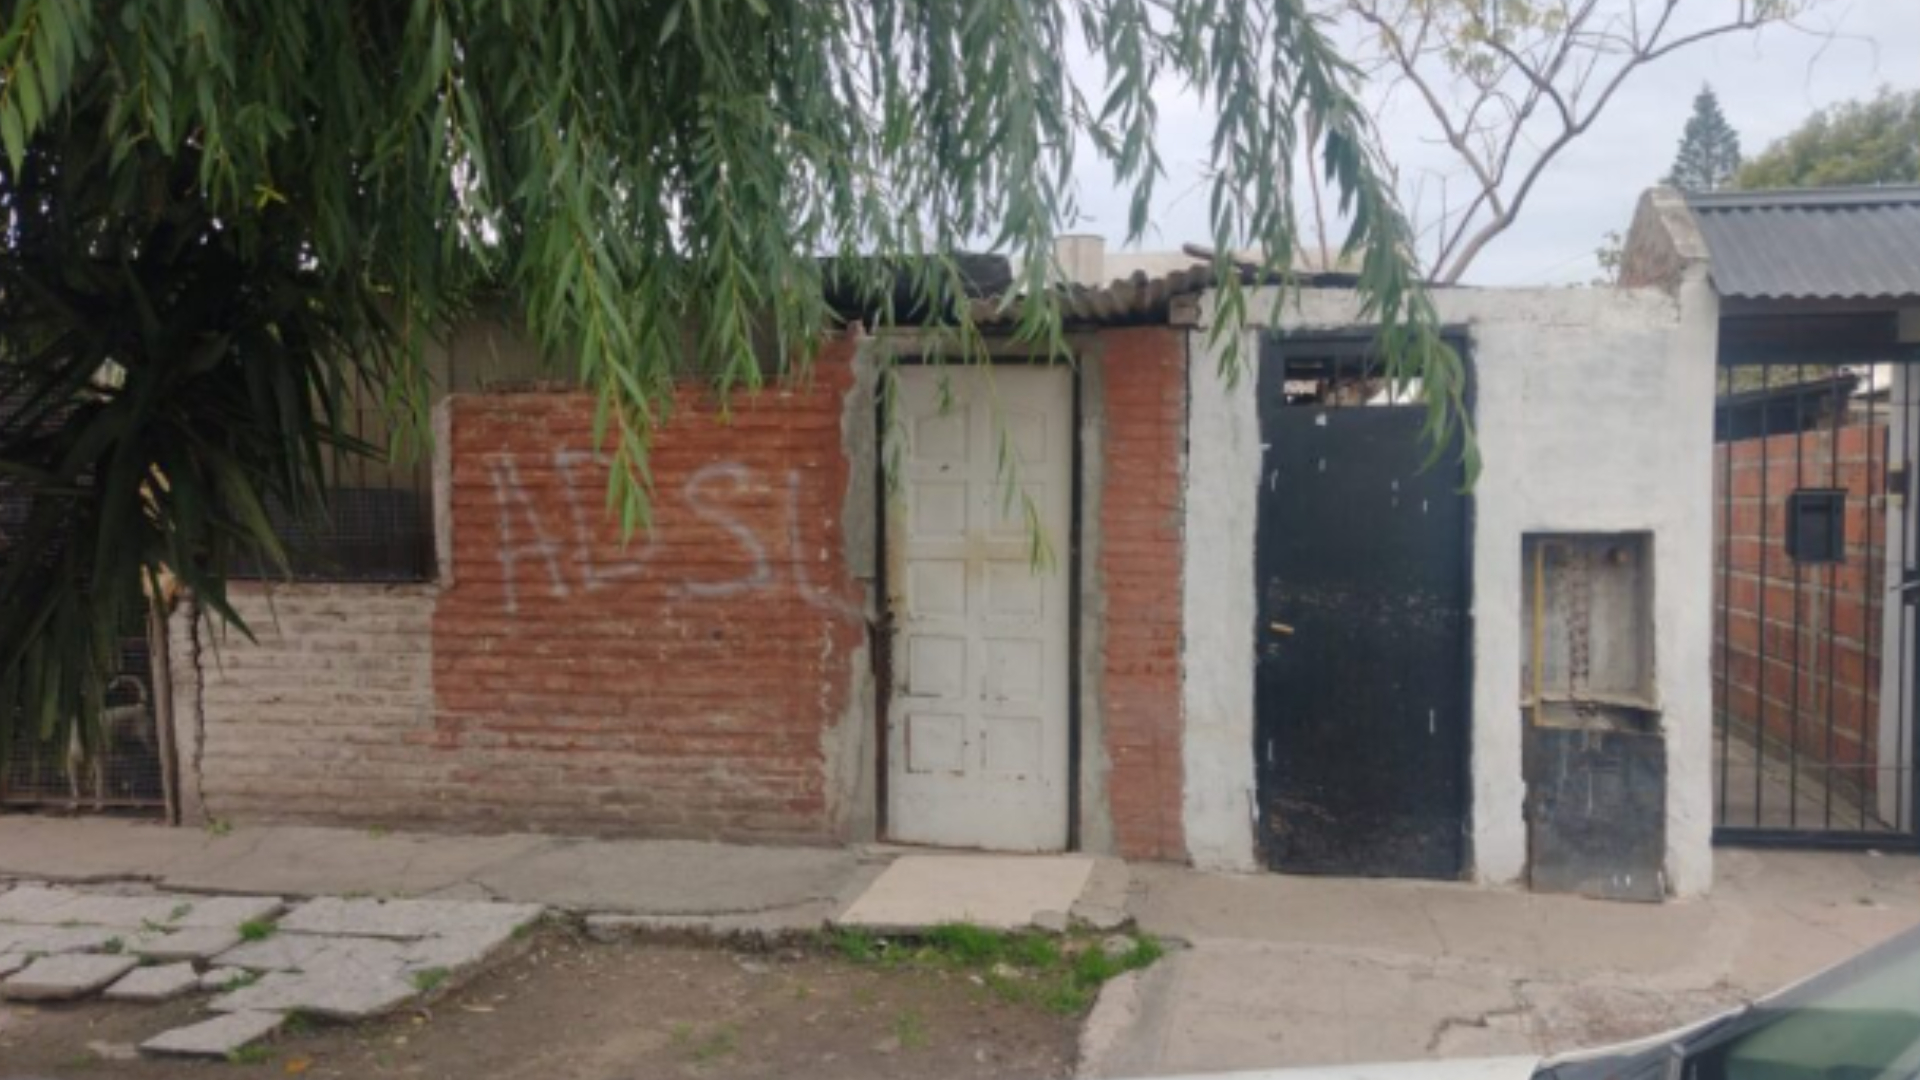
911 1029
715 1044
854 944
379 831
180 911
1060 975
427 980
258 929
253 1054
245 978
114 946
719 1043
298 1023
218 826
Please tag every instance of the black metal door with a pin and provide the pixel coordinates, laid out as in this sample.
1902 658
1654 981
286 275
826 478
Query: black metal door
1362 687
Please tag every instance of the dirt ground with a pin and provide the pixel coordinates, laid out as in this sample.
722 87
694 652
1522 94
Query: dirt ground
572 1009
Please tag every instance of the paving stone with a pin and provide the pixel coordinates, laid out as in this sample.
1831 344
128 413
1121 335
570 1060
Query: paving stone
336 993
62 978
456 951
217 1037
193 943
127 912
226 912
38 904
11 962
158 983
54 940
222 978
281 952
404 918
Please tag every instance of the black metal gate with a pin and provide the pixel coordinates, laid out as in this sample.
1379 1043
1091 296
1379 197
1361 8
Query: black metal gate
1814 633
1361 698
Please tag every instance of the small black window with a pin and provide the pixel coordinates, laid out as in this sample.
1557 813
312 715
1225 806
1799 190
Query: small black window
1817 525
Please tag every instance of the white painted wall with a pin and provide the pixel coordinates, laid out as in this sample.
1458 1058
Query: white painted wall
1594 412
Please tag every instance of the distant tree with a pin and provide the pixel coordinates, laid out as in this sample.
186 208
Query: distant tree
1856 142
1506 86
1709 151
1611 255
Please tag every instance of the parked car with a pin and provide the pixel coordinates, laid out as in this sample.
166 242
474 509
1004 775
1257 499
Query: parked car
1859 1020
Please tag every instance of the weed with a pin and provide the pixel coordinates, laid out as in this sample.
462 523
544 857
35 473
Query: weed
427 980
681 1034
114 946
910 1028
719 1042
1024 967
801 991
180 911
379 831
854 944
967 943
257 929
218 826
255 1054
244 979
297 1023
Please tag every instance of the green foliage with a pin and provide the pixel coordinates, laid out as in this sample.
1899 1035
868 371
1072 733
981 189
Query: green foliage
229 222
251 1054
1061 975
1857 142
427 980
1709 150
257 929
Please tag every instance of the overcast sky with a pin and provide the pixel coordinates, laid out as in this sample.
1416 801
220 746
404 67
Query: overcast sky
1767 83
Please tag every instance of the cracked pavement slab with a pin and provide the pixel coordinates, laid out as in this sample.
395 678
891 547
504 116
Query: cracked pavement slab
1286 971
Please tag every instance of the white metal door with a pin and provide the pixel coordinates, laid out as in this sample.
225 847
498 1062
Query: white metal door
977 724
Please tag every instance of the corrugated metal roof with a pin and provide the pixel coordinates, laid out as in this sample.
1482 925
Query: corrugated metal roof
1138 299
1825 244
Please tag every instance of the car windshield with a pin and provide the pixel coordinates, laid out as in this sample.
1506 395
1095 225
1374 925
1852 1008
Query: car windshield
1858 1021
1865 1029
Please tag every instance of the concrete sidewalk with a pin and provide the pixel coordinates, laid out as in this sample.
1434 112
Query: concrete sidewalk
1300 971
1267 970
780 886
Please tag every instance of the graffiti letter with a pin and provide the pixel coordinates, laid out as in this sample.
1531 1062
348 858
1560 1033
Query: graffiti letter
761 574
509 494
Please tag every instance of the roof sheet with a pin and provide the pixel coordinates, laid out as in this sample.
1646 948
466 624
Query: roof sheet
1831 244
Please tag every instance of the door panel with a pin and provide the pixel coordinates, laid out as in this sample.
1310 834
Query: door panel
978 718
1361 692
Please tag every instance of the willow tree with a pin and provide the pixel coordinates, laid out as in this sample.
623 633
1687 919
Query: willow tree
225 217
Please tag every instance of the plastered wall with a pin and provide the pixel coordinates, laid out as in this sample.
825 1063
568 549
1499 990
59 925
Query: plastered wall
1594 413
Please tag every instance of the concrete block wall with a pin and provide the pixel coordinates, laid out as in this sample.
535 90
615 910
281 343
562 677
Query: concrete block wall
317 717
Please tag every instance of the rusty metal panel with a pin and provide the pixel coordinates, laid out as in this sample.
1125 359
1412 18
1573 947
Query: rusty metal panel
1596 812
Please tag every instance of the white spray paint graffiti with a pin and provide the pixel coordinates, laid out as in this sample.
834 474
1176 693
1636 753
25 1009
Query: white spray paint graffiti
571 561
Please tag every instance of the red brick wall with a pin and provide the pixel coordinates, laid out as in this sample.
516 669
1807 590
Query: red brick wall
686 684
1839 671
1139 569
681 684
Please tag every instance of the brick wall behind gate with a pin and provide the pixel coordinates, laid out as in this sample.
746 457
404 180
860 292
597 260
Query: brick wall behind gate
1823 620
